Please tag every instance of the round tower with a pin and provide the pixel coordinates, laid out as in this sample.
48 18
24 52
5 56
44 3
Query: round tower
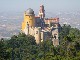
29 17
29 20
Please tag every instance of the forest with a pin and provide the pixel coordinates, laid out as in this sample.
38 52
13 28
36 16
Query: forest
24 47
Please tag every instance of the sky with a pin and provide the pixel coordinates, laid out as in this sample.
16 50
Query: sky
50 5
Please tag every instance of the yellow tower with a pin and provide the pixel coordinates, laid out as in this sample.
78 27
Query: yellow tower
29 19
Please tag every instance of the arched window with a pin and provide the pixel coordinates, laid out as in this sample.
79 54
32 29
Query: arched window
55 36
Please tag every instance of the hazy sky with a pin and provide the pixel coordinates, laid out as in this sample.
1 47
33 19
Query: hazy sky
50 5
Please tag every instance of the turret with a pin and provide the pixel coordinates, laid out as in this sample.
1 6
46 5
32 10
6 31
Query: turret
38 35
29 17
41 12
29 20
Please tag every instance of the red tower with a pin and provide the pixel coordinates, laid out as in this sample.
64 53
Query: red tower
41 12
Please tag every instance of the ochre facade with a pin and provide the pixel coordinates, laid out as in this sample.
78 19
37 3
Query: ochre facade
29 19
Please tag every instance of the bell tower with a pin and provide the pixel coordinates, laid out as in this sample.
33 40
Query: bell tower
42 12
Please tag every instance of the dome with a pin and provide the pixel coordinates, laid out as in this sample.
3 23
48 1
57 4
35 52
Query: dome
30 11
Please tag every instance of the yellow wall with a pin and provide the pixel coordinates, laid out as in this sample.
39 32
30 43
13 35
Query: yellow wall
23 25
30 19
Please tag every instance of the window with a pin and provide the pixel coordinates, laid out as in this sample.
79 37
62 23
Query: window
54 25
55 36
36 32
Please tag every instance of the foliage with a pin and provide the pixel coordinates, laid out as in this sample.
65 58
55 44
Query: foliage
24 47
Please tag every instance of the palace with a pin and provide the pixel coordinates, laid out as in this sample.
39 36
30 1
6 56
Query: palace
40 27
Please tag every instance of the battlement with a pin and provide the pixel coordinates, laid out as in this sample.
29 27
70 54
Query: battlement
52 20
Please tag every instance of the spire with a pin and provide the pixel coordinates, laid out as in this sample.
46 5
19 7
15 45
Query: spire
41 12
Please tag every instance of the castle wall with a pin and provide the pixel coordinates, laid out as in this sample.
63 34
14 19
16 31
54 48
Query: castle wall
37 35
55 38
42 36
32 31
